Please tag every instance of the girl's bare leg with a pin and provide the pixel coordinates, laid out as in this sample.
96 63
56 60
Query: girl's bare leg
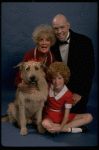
79 120
47 123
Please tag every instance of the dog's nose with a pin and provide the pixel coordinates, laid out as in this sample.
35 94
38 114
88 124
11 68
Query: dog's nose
32 78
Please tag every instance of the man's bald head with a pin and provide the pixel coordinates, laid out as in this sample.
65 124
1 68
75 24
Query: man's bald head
59 17
60 27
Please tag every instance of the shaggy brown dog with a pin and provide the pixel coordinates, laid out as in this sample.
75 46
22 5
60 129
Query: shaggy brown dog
26 106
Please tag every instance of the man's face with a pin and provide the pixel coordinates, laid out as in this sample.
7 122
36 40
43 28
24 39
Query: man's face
61 28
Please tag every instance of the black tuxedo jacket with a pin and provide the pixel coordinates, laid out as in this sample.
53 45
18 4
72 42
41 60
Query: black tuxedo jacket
80 62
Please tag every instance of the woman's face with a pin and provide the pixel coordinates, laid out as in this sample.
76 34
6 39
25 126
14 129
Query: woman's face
44 44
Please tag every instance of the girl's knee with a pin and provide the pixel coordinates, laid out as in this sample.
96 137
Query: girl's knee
46 123
89 118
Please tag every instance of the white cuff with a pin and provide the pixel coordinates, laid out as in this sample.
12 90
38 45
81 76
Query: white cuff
69 106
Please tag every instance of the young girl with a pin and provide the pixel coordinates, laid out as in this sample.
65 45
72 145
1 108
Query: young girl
57 116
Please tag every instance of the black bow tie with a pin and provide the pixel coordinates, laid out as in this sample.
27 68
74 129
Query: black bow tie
61 42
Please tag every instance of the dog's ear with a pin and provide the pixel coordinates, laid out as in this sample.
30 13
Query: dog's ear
20 65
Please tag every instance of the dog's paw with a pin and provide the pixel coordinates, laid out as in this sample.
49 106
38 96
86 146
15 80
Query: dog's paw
23 131
41 129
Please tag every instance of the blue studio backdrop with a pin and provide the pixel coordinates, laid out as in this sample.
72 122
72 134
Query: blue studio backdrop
18 21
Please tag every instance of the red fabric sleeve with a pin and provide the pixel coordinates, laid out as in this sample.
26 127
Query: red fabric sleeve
48 86
18 79
28 55
69 97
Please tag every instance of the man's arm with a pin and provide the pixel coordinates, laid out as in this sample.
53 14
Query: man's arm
82 68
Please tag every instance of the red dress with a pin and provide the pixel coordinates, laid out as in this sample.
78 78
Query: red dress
56 105
34 53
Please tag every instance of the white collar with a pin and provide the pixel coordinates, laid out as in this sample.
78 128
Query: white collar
67 37
60 94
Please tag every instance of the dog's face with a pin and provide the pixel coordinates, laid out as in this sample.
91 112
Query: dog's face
31 72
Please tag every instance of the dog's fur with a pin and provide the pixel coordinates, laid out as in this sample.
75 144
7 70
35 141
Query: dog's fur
26 106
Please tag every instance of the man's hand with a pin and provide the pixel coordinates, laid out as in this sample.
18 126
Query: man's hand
27 88
76 98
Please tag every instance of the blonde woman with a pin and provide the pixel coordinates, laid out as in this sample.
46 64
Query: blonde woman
44 38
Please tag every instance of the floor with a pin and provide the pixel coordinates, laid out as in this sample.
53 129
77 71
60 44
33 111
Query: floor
10 134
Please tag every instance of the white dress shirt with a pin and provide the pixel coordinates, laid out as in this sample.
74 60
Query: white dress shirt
64 49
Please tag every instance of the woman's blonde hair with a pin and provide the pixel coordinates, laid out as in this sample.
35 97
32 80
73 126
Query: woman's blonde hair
58 67
43 30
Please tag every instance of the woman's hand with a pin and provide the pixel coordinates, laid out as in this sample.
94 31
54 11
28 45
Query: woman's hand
27 88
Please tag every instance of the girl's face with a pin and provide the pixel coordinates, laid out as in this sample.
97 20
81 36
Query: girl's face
44 44
58 82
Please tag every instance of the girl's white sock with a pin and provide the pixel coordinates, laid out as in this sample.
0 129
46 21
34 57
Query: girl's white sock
69 129
74 130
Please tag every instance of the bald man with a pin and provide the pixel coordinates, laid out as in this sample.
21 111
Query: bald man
76 51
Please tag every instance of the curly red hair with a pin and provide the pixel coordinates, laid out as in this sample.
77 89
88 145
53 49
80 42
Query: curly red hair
58 67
